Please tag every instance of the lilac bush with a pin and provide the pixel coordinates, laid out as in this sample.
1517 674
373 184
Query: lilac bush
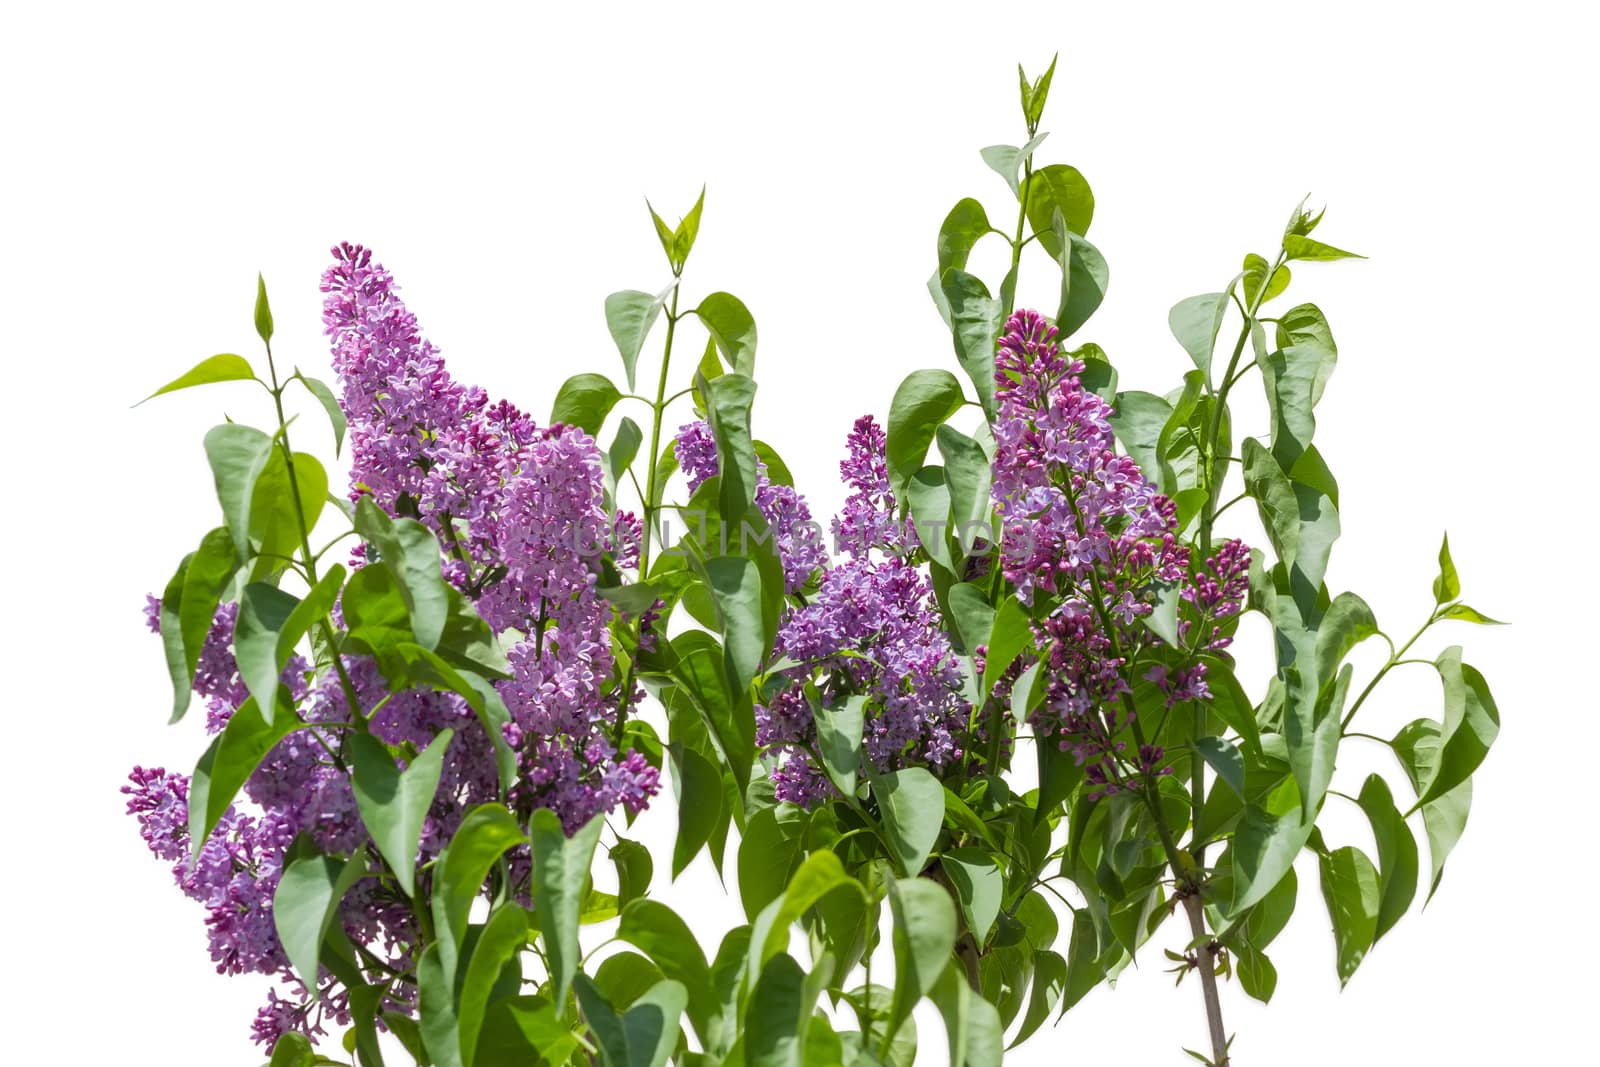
423 727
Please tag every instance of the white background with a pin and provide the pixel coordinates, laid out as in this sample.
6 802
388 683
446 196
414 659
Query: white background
154 158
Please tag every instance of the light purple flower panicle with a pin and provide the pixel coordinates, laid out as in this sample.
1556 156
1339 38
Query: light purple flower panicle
871 630
522 511
1085 528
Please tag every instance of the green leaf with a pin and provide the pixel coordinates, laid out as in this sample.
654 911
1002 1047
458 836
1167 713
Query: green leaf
410 551
1268 837
1232 705
629 316
1084 278
293 1049
486 833
928 499
169 619
394 803
1022 693
684 235
237 454
436 1007
839 739
206 578
971 614
305 905
1294 378
1463 613
1302 221
1059 774
560 871
735 584
624 447
924 936
502 939
1049 982
1163 618
1257 976
968 476
1225 759
1255 273
922 403
1447 586
1471 724
819 875
979 884
1416 746
230 761
699 670
263 311
263 612
1298 246
635 869
225 367
668 941
1058 187
966 224
728 402
1011 634
330 404
699 804
362 1037
285 502
1033 103
644 1035
597 907
972 1024
1006 160
314 608
1084 970
1347 622
974 318
1397 853
1137 420
1311 470
778 472
1350 887
1195 322
584 401
912 806
625 977
1312 725
775 1021
733 329
767 853
521 1030
1275 497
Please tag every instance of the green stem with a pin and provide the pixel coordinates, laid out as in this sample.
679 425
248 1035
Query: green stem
308 560
1394 660
1208 511
1187 874
657 410
1017 242
648 500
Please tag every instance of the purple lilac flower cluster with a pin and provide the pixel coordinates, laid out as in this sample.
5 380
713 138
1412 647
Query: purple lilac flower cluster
799 544
522 510
1083 528
868 520
872 629
300 790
